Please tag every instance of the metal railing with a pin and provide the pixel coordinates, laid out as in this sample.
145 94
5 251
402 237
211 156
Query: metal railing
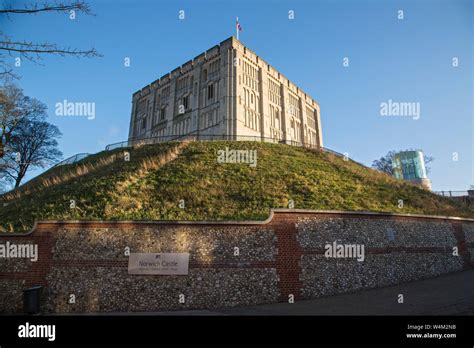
206 137
189 137
72 159
452 193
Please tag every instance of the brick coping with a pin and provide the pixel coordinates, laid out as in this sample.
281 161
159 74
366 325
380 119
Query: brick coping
237 222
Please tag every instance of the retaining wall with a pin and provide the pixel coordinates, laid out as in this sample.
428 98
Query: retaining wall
231 263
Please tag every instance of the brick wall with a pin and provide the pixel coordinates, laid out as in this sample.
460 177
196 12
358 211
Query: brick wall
282 256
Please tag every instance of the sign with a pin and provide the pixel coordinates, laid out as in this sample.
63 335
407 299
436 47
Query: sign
158 263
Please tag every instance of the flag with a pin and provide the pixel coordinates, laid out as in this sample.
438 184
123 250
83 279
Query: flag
237 25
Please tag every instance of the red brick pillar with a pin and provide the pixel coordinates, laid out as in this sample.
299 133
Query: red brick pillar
462 247
288 258
40 269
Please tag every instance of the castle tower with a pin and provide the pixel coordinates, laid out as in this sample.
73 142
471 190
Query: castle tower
227 92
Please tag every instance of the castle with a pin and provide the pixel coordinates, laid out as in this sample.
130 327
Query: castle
227 92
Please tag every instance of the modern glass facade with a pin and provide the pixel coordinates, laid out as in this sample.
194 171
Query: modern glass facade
409 165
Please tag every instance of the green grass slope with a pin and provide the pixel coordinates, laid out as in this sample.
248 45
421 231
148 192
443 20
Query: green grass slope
158 179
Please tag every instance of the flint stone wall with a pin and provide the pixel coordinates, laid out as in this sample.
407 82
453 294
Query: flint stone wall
205 244
112 289
279 257
323 277
11 295
390 248
15 264
380 233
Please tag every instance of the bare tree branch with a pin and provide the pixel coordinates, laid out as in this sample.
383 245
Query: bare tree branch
64 7
31 51
28 47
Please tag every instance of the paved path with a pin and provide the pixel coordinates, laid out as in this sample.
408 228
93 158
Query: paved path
451 294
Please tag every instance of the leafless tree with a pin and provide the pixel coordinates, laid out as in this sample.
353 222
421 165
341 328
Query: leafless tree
33 51
16 108
33 145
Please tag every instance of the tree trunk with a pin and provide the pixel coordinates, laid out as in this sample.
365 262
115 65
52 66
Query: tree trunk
18 179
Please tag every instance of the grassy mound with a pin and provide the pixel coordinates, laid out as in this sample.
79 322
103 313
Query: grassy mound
184 181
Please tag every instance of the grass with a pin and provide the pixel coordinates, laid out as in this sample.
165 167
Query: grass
157 178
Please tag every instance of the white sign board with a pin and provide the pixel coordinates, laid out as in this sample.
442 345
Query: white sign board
158 263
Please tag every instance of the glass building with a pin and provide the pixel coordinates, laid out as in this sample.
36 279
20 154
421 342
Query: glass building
410 165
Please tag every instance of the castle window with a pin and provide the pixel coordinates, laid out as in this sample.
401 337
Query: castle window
162 113
166 92
214 68
311 118
182 84
186 102
142 105
210 91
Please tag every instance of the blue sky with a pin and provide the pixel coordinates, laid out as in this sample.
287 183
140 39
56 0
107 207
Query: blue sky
407 60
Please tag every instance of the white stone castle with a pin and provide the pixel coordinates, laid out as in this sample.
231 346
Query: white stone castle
227 92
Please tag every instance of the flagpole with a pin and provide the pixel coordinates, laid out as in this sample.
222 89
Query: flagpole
237 27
